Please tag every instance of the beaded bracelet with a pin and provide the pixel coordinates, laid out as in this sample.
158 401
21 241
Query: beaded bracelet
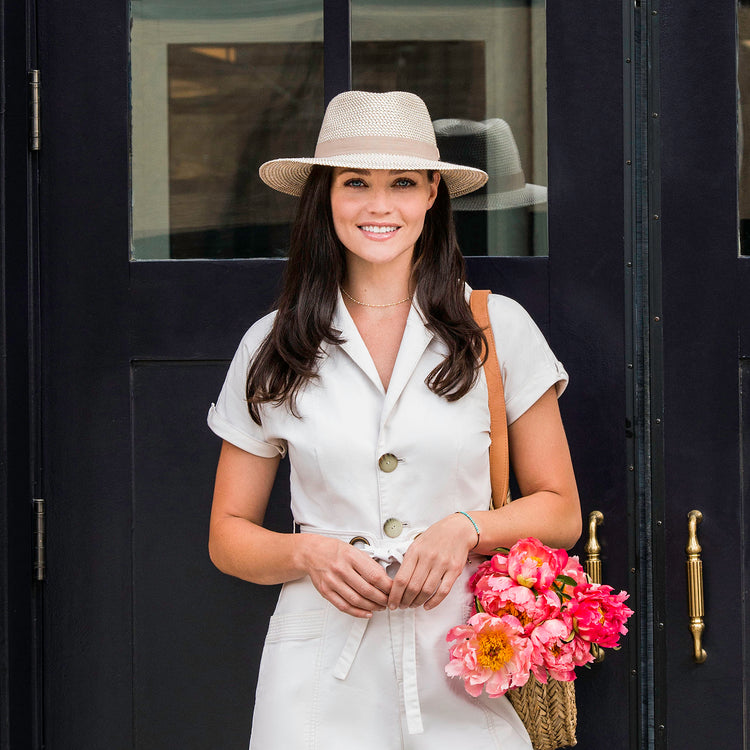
473 523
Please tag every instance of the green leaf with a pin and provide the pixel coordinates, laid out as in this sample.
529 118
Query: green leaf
478 605
561 595
567 580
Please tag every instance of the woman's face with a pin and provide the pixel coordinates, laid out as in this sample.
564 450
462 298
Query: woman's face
379 214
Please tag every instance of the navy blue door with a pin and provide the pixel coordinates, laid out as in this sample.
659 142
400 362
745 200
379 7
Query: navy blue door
145 644
697 327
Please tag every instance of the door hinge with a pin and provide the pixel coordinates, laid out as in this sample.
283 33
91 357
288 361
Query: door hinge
40 557
35 129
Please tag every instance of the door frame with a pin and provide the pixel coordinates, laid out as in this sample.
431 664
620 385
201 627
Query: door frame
635 173
20 593
697 320
21 293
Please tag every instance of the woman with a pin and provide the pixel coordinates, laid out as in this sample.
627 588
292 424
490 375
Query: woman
369 374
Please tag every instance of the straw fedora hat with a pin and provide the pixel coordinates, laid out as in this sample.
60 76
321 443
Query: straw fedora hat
488 145
363 130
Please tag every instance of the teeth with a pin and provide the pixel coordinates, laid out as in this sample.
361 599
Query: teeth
379 230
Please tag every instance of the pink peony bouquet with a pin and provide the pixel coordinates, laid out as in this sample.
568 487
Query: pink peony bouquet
535 612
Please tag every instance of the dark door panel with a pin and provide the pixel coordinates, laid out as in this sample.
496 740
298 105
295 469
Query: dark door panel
146 645
195 631
704 285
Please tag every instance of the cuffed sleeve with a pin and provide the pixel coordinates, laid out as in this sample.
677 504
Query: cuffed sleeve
528 366
229 417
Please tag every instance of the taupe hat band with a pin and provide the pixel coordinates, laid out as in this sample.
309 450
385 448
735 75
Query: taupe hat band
377 145
506 182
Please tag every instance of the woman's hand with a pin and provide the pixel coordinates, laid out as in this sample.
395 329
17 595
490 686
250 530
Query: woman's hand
348 577
432 563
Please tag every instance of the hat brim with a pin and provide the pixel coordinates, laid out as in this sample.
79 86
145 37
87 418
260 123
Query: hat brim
289 175
530 195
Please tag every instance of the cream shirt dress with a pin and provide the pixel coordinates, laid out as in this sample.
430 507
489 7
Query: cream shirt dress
375 468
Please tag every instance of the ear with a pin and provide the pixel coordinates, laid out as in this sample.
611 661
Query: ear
433 189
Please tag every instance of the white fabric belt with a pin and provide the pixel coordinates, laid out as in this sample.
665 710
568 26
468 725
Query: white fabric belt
385 552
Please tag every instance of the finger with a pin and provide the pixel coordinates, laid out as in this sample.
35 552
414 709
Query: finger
357 601
373 580
344 597
371 591
348 586
342 604
444 588
367 592
351 569
414 588
429 588
400 582
411 577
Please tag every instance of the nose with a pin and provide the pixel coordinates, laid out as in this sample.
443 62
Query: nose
380 201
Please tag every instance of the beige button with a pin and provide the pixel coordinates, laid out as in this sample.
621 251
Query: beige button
387 462
393 527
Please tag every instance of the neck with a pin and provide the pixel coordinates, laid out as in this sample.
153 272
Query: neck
378 285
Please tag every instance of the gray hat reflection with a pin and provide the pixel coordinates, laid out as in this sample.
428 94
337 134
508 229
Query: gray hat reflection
488 145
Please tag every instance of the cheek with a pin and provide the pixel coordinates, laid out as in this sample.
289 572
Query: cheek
341 209
419 210
340 230
427 199
337 215
420 227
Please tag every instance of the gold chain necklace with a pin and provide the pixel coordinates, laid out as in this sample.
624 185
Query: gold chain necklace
369 304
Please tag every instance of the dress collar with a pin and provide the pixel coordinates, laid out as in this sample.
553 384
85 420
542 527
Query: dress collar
415 340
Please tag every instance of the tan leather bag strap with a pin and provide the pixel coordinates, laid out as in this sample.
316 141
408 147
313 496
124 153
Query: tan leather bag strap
499 461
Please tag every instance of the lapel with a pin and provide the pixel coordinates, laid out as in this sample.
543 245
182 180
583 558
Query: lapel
415 340
353 344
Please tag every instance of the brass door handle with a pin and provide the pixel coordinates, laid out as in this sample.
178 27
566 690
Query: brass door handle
593 548
695 585
593 565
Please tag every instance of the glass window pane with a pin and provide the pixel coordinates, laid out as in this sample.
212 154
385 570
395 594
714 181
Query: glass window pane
217 89
483 63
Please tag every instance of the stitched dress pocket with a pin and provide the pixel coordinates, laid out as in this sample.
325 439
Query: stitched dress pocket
295 626
287 696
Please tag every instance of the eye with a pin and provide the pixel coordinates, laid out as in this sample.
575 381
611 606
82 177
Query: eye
404 182
355 182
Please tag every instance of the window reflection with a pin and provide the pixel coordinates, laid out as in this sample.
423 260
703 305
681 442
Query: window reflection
481 64
217 89
507 201
230 109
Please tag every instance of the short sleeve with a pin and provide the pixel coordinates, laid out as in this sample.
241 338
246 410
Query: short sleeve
229 417
528 366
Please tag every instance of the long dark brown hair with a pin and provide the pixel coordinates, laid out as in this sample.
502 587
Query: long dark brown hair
287 358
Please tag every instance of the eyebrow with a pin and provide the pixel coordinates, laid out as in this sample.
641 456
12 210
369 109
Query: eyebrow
366 172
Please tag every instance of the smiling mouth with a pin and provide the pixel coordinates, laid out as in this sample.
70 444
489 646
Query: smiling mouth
378 229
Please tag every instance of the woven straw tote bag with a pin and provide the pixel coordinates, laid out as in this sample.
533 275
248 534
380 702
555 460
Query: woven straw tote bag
548 711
